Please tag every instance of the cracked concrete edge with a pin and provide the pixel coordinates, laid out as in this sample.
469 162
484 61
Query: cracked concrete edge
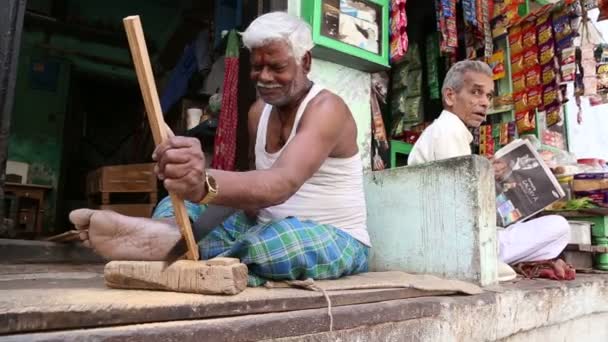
486 317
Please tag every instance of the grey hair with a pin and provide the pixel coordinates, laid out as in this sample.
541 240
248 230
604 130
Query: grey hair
280 26
455 76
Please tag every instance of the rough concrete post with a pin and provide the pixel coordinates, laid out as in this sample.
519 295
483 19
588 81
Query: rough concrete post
437 218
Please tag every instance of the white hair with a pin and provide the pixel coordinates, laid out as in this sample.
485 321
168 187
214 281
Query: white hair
280 26
455 76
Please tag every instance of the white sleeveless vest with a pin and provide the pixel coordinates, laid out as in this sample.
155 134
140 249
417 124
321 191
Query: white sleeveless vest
333 195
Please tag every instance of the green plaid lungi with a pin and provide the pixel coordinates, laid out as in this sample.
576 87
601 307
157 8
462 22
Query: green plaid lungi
287 249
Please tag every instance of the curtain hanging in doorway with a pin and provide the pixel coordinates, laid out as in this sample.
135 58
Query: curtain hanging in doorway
224 153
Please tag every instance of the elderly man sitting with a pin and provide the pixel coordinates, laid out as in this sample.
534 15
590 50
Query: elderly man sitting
467 92
301 211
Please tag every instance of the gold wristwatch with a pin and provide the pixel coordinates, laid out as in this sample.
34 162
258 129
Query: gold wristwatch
211 187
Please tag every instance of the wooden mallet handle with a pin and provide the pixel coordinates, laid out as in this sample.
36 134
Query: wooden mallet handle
141 60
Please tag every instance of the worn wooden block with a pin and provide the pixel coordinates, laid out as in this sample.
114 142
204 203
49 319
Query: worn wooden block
227 277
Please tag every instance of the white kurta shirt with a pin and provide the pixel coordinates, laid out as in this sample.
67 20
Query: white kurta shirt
447 137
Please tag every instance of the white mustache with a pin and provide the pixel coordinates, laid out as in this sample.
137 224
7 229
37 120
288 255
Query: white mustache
269 86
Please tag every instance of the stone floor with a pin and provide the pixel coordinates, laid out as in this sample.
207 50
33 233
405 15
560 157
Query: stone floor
43 302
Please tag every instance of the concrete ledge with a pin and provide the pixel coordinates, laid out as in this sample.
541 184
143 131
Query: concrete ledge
529 308
437 218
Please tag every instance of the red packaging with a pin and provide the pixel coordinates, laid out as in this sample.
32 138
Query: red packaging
533 77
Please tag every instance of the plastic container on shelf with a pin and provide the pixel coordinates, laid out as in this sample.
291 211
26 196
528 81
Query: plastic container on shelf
566 183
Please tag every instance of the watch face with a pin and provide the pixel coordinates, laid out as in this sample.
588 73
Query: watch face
211 183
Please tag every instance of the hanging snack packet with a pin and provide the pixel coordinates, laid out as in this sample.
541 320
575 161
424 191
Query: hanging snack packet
516 41
497 63
531 57
414 83
568 72
561 25
553 115
519 82
547 52
549 75
545 32
550 94
568 56
517 64
413 110
525 122
504 133
520 101
529 37
533 77
512 130
400 73
602 78
534 97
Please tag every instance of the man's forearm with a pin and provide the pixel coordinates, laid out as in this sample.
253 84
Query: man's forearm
252 190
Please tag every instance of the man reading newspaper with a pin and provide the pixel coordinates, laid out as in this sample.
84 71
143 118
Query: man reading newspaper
467 93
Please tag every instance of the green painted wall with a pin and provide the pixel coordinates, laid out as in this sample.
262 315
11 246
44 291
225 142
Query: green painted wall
37 122
352 85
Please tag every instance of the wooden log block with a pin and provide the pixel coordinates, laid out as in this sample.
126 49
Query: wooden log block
227 278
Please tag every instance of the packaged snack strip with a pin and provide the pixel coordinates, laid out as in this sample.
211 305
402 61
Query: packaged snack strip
534 97
553 114
519 82
517 63
528 25
525 122
414 83
549 74
470 12
544 32
490 148
399 80
503 100
550 95
531 57
512 15
533 77
520 101
565 43
497 63
512 130
516 42
504 133
568 72
602 78
483 137
547 52
529 37
561 25
542 18
413 109
568 56
495 131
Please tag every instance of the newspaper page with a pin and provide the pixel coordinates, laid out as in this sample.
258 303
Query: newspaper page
524 183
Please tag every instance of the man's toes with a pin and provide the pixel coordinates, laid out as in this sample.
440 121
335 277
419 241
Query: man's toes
81 217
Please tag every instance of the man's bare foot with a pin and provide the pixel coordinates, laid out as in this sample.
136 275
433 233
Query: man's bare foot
119 237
